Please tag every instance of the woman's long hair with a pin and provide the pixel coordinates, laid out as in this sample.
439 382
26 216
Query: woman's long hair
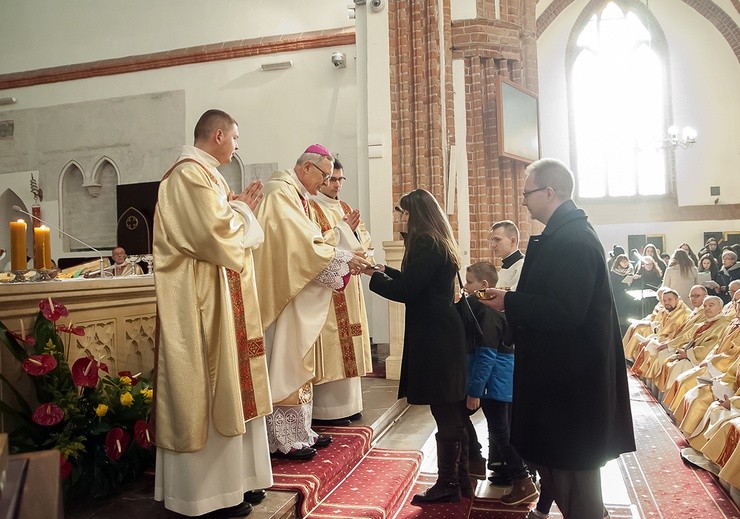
426 217
713 267
682 259
689 252
647 260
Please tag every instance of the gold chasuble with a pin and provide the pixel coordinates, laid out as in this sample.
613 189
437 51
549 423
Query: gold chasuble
344 348
210 358
293 306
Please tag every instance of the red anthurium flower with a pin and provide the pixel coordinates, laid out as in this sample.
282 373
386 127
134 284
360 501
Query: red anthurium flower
77 330
134 379
142 435
28 341
103 366
52 313
85 372
65 467
116 443
47 414
39 364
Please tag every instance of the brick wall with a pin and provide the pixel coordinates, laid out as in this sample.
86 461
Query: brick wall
489 47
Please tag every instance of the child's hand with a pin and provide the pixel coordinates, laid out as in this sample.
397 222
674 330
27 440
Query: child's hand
472 403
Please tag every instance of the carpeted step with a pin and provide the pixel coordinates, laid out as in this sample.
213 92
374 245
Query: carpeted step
316 478
376 489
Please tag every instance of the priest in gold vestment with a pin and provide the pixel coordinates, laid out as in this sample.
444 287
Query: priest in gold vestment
298 267
693 353
647 348
715 365
343 353
211 387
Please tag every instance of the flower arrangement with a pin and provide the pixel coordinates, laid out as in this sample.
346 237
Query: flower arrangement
99 423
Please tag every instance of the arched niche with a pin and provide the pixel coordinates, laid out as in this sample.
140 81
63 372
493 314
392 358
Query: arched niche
8 199
90 199
233 173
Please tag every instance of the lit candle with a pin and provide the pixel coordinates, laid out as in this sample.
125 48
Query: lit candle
18 245
41 247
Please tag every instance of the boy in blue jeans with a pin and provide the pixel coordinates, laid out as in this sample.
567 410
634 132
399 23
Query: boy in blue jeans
490 382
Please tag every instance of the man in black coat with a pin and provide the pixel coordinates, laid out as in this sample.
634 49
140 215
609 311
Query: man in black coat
571 410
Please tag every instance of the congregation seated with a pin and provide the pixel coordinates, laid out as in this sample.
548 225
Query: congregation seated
699 383
647 324
729 272
669 321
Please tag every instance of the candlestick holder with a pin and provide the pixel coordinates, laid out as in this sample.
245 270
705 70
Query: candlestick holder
44 275
20 276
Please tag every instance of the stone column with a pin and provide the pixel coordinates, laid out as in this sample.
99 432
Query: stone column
396 313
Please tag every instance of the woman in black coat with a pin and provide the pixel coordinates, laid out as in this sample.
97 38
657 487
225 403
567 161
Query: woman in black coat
433 362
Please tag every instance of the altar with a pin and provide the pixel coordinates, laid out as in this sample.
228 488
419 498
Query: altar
117 314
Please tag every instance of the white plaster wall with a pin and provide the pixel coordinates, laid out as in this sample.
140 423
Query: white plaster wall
463 9
700 100
47 33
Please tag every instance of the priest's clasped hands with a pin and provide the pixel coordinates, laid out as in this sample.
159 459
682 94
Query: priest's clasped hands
252 194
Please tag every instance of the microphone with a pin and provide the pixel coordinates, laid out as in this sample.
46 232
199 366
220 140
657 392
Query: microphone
19 210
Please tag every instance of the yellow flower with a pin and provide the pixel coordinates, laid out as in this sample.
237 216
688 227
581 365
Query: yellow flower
101 410
125 381
127 399
147 392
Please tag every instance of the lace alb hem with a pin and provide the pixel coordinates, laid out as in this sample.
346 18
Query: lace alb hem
289 428
334 273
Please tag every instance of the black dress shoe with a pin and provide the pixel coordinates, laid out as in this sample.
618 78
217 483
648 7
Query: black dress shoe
339 422
254 497
355 417
306 453
322 441
239 510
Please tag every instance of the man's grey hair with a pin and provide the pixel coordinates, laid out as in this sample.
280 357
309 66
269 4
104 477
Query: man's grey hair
700 287
554 174
734 283
729 253
716 299
312 157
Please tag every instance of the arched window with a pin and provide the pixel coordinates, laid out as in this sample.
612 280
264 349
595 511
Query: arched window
619 97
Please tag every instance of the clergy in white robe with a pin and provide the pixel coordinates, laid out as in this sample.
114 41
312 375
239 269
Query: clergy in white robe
343 354
505 245
298 267
211 388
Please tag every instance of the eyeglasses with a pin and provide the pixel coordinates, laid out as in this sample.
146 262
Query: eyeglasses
337 179
525 194
324 174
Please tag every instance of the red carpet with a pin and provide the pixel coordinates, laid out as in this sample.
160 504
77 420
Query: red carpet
315 479
460 509
658 481
375 489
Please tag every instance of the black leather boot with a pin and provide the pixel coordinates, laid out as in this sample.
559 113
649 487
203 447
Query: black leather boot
463 468
447 487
